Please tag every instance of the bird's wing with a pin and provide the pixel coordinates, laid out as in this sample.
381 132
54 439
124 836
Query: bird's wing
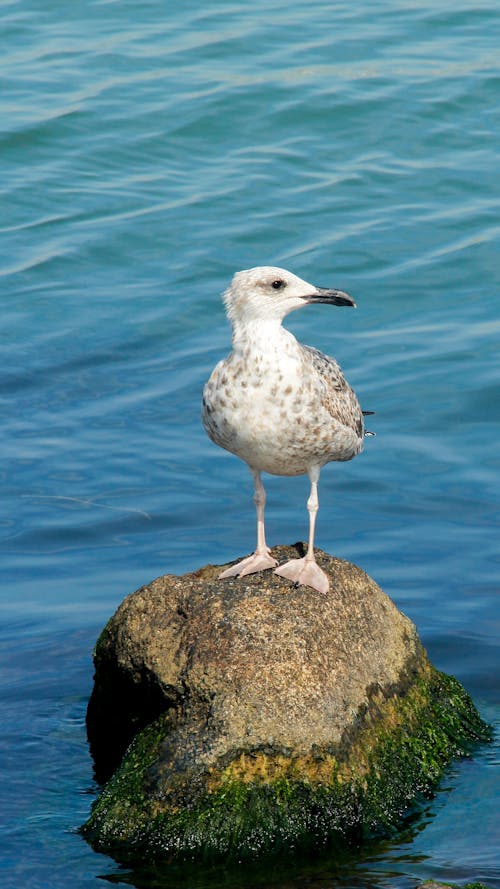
337 396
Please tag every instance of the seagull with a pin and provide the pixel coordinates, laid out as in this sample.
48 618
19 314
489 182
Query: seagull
282 407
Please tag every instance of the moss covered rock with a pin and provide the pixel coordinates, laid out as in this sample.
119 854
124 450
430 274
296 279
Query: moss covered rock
264 717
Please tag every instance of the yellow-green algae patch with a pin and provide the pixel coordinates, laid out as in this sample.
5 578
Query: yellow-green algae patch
264 801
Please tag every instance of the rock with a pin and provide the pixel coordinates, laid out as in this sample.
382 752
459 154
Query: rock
264 716
432 884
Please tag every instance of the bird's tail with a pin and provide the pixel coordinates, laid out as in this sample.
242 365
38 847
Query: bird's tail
369 414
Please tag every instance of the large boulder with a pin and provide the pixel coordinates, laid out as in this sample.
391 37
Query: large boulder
264 716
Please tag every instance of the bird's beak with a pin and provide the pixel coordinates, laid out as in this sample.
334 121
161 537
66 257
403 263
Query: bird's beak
332 297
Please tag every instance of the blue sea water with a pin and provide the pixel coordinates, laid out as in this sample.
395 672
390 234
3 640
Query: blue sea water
148 151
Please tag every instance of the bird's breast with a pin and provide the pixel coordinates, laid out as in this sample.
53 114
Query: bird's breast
274 415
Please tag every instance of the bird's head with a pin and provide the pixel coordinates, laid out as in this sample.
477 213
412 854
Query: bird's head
267 292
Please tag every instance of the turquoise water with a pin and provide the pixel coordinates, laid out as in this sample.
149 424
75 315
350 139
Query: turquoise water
146 154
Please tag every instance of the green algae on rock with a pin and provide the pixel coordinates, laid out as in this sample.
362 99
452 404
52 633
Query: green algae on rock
265 717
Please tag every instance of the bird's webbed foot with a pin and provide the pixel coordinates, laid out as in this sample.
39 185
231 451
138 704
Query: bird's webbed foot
258 561
305 572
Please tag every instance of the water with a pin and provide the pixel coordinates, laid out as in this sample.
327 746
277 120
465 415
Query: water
147 153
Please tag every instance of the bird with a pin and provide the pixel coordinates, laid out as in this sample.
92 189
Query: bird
282 407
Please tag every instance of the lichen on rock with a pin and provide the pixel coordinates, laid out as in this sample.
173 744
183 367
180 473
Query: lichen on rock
264 717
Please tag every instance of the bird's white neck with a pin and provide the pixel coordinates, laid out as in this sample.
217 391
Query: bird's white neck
265 335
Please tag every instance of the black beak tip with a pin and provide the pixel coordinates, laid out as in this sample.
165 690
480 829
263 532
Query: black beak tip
331 297
350 302
339 298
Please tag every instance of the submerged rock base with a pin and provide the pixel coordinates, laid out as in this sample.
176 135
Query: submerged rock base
264 717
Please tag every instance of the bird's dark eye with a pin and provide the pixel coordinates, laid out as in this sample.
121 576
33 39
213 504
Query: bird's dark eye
278 284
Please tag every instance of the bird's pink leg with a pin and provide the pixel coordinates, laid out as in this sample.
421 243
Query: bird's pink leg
260 560
306 571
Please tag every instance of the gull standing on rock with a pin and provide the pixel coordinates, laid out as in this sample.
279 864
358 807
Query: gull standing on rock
282 407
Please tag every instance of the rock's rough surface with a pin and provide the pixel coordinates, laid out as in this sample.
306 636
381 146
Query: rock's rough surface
264 716
432 884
